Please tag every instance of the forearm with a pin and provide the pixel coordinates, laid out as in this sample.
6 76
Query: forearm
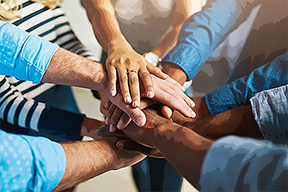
67 68
183 9
238 121
204 31
183 148
93 158
105 25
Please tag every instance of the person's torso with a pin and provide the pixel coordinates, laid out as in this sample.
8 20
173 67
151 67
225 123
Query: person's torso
144 22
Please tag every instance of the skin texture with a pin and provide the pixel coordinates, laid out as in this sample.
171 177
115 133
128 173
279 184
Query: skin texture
237 121
122 57
93 158
172 140
66 68
184 142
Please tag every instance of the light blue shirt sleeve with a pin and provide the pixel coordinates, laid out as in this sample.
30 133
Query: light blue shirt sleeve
23 55
205 30
242 164
30 163
271 75
270 109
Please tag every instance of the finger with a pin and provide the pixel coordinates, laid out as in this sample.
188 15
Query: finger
175 84
147 82
123 81
115 119
110 112
107 105
134 87
112 79
166 111
156 71
144 103
134 113
130 145
104 132
124 121
176 100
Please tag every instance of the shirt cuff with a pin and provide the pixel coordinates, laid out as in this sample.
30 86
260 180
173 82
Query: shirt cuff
220 100
35 57
63 124
270 109
187 57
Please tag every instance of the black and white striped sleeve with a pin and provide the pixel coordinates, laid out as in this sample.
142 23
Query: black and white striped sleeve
18 110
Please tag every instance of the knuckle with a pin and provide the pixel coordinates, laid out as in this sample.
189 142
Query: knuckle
123 79
133 80
127 61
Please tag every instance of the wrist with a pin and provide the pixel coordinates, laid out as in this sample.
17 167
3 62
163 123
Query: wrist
119 42
175 72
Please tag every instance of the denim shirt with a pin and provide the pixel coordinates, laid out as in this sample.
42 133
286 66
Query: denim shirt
23 55
205 30
270 109
242 164
271 75
27 163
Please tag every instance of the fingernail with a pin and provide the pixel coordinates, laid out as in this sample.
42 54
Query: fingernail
193 114
192 104
166 75
150 94
111 128
120 145
135 103
107 121
120 124
140 122
128 100
170 113
113 93
106 105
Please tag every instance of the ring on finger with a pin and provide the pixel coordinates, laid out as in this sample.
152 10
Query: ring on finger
144 73
131 71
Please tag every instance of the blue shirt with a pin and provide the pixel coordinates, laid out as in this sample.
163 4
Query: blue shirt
30 163
27 163
271 75
23 55
261 166
205 30
270 109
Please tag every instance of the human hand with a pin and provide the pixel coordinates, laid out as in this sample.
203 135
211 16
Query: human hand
145 134
129 66
126 143
130 145
168 92
116 118
121 158
200 109
90 127
171 93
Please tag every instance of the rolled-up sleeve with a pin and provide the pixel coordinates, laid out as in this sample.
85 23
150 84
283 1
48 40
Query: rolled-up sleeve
30 163
270 109
205 30
242 164
271 75
23 55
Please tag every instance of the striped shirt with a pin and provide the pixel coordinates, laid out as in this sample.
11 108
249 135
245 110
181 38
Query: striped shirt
17 106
